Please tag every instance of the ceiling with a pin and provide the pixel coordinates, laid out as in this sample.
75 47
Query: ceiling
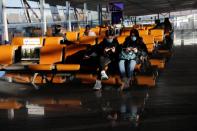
135 7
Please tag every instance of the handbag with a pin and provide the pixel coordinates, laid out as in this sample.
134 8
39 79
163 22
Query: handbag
127 55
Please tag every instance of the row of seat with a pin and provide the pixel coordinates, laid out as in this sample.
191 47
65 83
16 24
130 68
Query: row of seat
52 53
157 33
149 40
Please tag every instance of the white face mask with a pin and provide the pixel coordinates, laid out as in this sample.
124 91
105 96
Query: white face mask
134 38
110 40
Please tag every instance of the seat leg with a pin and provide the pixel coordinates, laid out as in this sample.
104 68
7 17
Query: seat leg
33 81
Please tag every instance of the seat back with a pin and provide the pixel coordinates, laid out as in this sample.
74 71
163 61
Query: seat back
126 33
51 54
149 41
7 54
100 39
52 41
91 40
102 31
158 34
143 32
72 36
121 39
17 41
72 49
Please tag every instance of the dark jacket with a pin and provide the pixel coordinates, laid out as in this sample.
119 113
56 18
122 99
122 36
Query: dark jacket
129 43
141 46
125 55
105 44
142 49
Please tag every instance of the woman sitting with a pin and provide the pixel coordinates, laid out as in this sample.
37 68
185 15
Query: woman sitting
128 57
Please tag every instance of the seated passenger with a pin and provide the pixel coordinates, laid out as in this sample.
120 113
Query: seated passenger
143 56
142 49
167 26
107 53
168 31
59 32
128 56
88 31
158 25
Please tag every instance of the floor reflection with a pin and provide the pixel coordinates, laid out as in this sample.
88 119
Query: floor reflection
109 107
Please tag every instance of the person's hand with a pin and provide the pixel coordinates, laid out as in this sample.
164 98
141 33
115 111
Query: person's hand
113 49
128 49
135 50
86 57
107 49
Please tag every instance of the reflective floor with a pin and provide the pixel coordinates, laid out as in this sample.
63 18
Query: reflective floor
170 106
73 108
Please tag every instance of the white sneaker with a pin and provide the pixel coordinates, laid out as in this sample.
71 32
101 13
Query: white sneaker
97 85
104 75
9 79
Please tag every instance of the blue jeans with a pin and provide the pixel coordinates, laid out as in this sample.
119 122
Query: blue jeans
126 68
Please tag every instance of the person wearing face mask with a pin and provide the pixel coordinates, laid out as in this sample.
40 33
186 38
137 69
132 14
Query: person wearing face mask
127 58
107 53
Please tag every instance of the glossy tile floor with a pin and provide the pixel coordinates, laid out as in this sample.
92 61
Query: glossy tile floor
170 106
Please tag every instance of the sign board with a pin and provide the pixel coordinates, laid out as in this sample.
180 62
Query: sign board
31 41
35 110
31 49
116 6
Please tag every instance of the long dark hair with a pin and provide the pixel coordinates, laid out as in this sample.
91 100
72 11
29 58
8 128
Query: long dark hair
110 32
135 32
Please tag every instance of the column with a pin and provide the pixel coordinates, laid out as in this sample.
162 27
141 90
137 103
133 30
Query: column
68 16
4 23
43 17
1 27
99 9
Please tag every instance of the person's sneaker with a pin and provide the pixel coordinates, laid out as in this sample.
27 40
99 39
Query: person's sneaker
97 85
104 75
121 87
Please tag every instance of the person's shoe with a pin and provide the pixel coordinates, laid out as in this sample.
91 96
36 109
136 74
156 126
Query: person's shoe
97 85
122 86
104 75
130 82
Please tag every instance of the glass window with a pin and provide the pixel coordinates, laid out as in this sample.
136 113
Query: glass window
16 16
17 3
61 12
33 4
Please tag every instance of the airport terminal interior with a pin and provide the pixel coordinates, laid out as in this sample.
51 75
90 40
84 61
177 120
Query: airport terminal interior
60 70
